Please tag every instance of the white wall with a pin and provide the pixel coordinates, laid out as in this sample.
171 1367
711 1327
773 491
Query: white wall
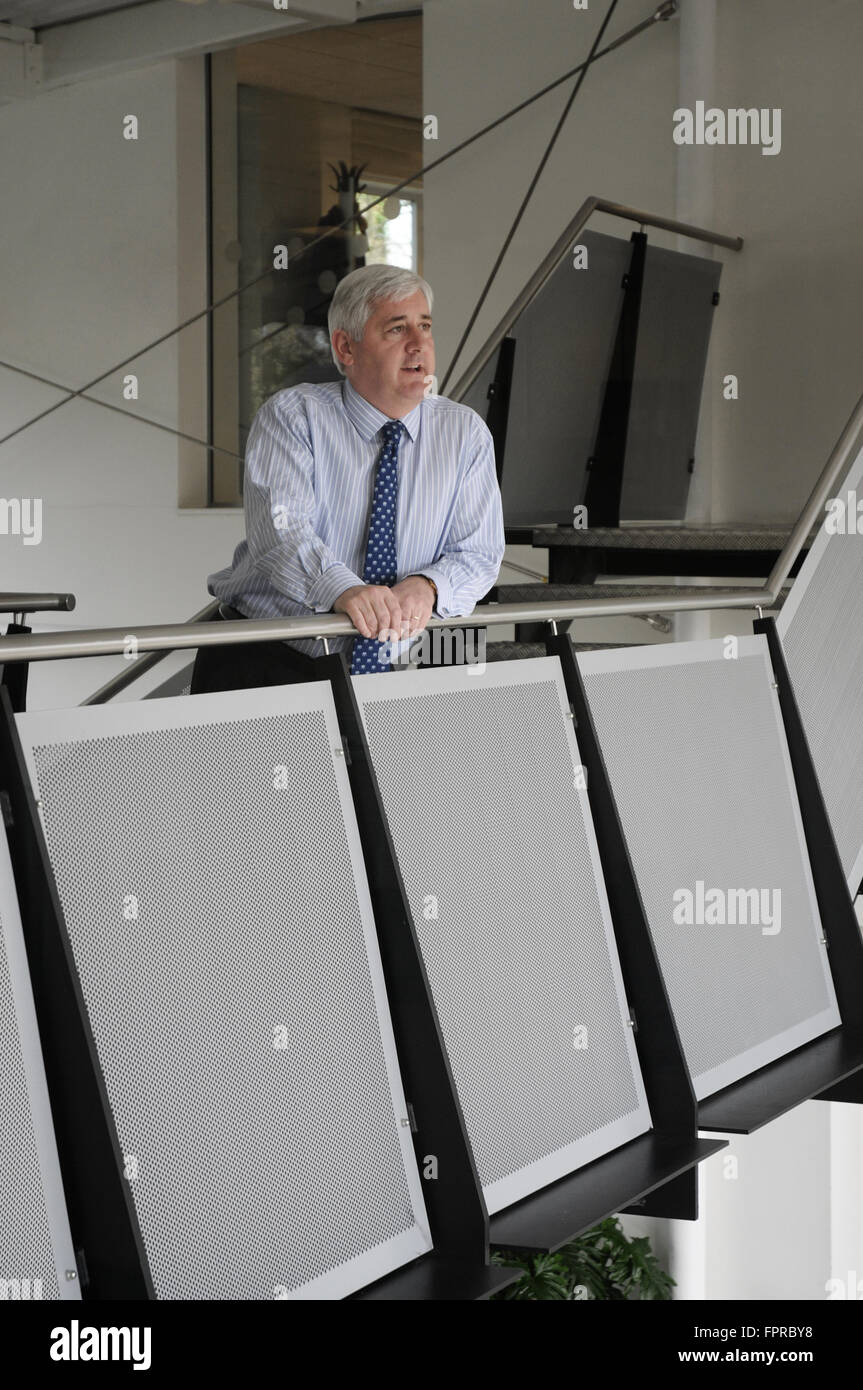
790 324
479 60
90 271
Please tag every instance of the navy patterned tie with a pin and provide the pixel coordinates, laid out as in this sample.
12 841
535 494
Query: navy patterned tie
381 563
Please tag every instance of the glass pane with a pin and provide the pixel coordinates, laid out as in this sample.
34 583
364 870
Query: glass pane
290 165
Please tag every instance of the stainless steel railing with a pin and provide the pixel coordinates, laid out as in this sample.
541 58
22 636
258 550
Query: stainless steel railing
36 603
53 646
846 445
141 665
555 255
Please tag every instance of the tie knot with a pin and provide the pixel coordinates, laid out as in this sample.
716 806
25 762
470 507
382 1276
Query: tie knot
392 431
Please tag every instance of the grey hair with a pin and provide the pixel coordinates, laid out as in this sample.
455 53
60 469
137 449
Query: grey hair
355 297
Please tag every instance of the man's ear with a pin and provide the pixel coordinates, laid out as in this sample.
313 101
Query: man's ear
342 344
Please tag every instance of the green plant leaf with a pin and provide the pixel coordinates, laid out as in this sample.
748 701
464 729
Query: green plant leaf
604 1262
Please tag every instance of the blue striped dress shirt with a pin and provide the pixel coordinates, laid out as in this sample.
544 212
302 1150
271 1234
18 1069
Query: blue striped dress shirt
310 472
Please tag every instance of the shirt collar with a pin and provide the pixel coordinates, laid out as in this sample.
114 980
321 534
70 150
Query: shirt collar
368 420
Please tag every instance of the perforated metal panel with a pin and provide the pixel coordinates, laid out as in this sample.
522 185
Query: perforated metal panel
496 847
36 1256
819 627
208 863
699 766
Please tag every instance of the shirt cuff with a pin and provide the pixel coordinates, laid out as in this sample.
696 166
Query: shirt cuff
444 590
322 594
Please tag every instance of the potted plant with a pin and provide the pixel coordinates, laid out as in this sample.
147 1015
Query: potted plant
604 1263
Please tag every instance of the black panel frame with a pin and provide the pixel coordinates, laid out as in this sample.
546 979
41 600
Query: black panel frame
497 415
454 1200
604 486
14 674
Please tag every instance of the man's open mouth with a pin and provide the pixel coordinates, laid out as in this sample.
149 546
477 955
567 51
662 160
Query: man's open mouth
417 369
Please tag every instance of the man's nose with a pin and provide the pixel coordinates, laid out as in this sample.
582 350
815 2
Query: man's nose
414 340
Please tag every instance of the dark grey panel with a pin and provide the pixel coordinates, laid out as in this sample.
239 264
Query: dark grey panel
673 338
564 342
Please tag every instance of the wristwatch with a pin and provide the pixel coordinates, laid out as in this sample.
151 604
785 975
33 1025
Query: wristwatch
428 581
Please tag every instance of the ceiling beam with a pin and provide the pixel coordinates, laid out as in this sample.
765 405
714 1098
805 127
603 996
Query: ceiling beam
146 34
20 63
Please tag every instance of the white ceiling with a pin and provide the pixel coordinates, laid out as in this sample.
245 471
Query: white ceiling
46 14
36 14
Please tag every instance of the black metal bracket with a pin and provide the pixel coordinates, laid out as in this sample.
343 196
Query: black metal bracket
499 391
14 674
457 1214
606 464
666 1075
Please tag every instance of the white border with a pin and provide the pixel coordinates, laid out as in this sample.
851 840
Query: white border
34 1072
180 712
853 480
504 675
691 653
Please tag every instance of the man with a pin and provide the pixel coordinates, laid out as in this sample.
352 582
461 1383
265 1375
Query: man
370 496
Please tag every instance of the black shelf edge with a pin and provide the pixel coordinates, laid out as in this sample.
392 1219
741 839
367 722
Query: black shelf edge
849 1091
774 1090
548 1219
434 1279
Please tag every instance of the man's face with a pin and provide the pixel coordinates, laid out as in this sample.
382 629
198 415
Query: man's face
389 366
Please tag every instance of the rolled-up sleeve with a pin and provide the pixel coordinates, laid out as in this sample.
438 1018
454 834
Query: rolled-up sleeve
475 543
279 506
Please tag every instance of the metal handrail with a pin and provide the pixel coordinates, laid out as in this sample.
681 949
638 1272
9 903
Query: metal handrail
555 255
848 441
36 603
141 665
53 646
